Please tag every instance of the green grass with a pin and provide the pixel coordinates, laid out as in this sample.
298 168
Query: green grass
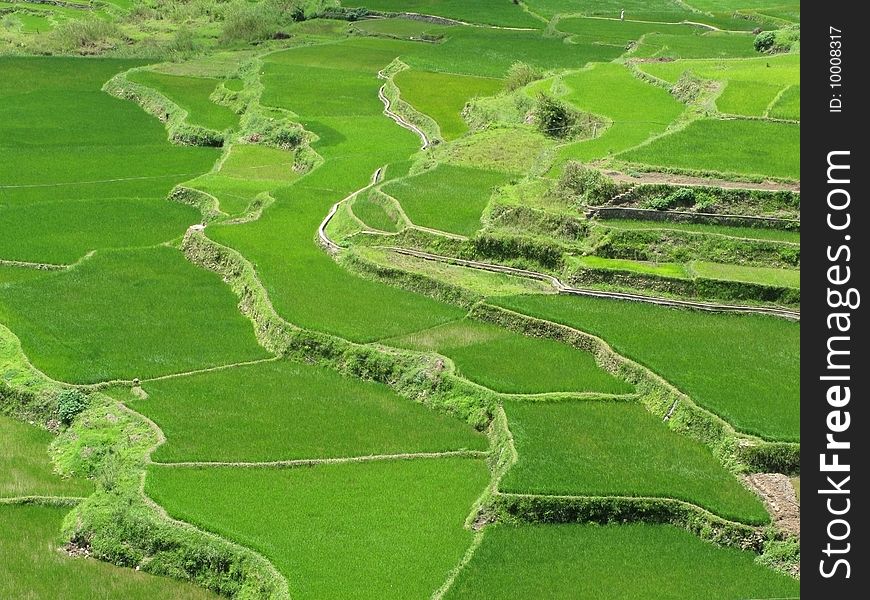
763 275
757 148
125 314
442 96
589 448
743 367
796 484
249 162
488 12
191 94
513 150
637 266
284 411
377 212
788 105
612 562
381 530
448 198
34 566
62 231
488 355
25 466
58 130
637 109
753 233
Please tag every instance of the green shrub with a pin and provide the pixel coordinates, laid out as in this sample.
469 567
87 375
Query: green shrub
520 74
86 36
590 185
554 117
764 41
69 404
682 198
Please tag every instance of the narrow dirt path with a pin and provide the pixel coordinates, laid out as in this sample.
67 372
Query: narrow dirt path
779 496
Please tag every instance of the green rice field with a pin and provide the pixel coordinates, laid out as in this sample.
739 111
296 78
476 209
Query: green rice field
442 96
753 233
34 566
357 522
487 355
581 449
106 309
26 465
726 146
639 111
290 411
753 385
449 198
591 561
191 94
292 404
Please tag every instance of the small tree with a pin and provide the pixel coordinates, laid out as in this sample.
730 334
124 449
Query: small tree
554 117
69 404
589 185
520 74
764 41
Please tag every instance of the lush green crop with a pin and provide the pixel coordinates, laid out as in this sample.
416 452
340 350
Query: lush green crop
638 110
745 147
763 275
712 44
249 162
402 28
191 94
583 449
788 105
489 12
442 96
291 411
617 33
753 233
751 84
448 198
234 195
25 467
380 530
125 314
743 367
57 128
612 562
34 567
637 266
488 355
306 286
377 211
63 231
13 274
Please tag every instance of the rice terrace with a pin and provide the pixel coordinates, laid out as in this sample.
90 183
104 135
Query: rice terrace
399 299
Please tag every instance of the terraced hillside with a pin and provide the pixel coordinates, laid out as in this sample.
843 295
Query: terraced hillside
309 300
